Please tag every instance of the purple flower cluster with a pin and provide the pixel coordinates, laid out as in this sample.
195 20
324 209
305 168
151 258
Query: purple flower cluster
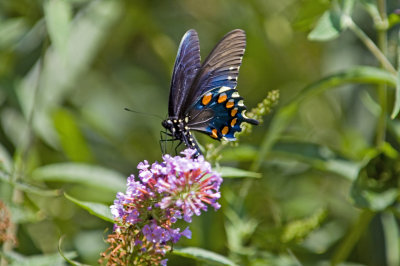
166 192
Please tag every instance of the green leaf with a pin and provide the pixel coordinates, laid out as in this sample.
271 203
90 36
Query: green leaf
29 188
6 163
203 255
328 27
308 12
10 31
358 74
72 140
232 172
58 15
396 107
85 174
320 157
55 259
89 29
97 209
14 126
391 233
376 186
373 200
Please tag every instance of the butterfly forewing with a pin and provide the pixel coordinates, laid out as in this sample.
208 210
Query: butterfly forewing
187 64
221 67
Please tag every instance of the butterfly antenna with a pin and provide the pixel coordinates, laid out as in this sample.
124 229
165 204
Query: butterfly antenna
141 113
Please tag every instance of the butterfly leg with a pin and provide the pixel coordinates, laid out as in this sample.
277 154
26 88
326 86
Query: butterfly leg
176 148
164 139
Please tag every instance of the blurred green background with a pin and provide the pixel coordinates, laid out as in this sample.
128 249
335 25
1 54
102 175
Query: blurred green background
329 179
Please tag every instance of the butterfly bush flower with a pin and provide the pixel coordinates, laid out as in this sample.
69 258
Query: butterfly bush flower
145 215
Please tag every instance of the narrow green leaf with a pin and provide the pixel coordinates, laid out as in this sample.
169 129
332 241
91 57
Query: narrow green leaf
14 126
320 157
85 174
29 188
71 138
391 233
6 162
203 255
358 74
17 259
58 15
97 209
396 107
89 29
328 27
232 172
10 31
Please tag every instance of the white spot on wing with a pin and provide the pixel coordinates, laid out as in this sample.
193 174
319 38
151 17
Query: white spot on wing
235 94
224 88
240 103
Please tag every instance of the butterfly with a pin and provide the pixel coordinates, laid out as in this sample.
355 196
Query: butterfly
203 97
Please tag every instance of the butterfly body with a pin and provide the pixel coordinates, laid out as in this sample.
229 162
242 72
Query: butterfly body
204 97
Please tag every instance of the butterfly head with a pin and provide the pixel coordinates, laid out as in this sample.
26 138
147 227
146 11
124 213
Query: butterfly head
168 125
175 126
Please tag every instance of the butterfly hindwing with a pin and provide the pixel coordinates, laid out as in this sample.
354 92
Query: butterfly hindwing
186 66
219 113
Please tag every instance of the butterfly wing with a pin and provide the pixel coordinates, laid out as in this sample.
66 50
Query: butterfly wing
219 113
221 67
216 107
187 64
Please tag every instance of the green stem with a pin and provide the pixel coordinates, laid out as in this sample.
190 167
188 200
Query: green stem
354 234
371 46
382 89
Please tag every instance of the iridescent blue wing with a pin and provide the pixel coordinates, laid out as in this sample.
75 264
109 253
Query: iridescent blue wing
221 67
187 64
219 113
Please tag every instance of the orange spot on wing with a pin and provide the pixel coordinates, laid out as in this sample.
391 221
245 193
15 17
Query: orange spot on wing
233 122
225 130
214 134
230 104
206 98
222 98
234 112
